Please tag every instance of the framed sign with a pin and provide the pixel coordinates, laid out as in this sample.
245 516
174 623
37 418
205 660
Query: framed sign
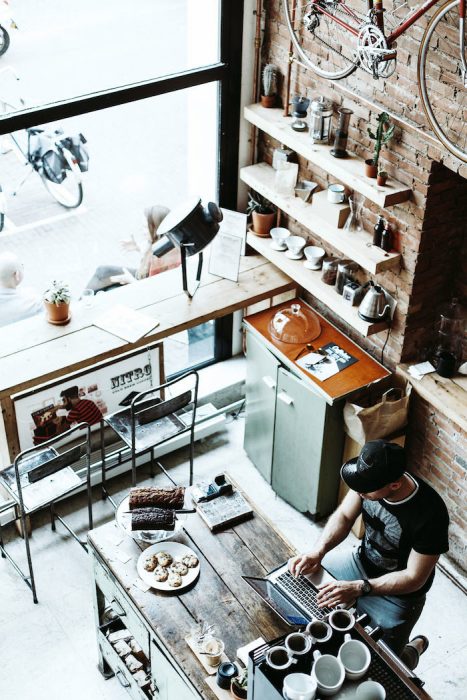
47 411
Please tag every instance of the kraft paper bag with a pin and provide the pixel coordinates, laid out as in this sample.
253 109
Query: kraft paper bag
384 418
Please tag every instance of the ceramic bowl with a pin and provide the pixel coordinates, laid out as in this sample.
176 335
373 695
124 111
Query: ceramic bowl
279 236
295 245
314 257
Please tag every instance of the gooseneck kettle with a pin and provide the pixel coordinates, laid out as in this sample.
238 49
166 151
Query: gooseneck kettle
374 306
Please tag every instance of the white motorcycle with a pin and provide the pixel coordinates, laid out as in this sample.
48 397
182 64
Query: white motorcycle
5 21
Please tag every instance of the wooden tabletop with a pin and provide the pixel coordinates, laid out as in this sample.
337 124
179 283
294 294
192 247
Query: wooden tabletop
220 596
34 352
349 380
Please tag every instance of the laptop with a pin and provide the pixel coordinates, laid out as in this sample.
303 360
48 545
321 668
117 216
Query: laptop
293 599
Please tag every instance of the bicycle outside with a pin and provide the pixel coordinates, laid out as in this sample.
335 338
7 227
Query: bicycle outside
334 39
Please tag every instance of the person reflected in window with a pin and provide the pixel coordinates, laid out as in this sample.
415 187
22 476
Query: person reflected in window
15 304
79 410
112 276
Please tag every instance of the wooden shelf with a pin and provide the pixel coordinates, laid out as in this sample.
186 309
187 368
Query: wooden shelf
349 170
311 281
354 245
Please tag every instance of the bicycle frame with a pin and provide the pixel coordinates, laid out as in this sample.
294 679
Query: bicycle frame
405 24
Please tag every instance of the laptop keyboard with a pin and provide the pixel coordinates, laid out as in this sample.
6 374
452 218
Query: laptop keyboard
303 592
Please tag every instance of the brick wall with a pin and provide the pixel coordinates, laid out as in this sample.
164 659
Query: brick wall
430 232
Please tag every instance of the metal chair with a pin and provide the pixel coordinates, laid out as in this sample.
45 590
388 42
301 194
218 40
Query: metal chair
37 478
151 420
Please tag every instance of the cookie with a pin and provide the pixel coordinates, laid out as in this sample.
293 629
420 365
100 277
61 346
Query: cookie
151 563
160 573
174 580
190 561
179 568
164 558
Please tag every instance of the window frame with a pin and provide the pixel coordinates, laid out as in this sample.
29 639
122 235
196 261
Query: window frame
227 72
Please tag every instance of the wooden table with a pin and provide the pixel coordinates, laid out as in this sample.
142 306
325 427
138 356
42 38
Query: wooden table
160 622
33 352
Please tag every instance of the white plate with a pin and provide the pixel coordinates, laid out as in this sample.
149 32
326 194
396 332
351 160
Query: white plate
123 518
294 256
176 550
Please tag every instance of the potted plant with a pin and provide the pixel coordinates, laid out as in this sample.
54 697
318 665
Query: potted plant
263 213
381 178
239 685
269 83
57 302
383 134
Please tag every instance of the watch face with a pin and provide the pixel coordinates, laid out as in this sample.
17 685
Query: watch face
366 587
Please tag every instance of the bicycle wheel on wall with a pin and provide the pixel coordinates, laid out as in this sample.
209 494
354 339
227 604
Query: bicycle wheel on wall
68 193
320 42
444 95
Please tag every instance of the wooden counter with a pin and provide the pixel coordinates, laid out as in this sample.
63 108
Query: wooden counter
362 373
33 352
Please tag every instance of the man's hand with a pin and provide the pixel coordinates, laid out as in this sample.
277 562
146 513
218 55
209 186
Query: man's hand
130 245
305 563
125 278
338 593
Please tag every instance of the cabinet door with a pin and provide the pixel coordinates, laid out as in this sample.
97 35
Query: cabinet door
169 684
298 442
261 381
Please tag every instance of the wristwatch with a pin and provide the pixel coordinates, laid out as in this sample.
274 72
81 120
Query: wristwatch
366 587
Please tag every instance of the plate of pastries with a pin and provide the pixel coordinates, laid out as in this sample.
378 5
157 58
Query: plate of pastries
168 567
149 513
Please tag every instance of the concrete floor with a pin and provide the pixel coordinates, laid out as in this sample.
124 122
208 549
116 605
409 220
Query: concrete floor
48 651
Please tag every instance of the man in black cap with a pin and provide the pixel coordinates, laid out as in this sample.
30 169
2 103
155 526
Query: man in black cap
406 529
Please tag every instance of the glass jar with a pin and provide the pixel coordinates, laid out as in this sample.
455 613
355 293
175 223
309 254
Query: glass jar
329 273
344 274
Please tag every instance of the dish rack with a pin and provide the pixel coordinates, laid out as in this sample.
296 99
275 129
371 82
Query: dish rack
266 683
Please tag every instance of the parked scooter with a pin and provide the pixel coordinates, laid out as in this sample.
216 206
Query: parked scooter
5 21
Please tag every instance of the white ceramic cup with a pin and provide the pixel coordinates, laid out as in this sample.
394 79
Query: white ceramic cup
314 257
341 620
328 673
319 631
355 657
336 193
299 686
279 658
279 235
295 244
297 643
370 690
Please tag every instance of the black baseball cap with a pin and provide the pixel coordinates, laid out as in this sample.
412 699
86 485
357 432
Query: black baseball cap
380 463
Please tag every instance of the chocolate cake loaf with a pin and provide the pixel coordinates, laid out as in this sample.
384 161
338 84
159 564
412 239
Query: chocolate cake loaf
152 519
143 497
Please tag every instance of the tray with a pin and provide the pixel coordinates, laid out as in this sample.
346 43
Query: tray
176 550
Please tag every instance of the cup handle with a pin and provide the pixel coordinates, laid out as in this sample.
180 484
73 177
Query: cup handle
293 660
347 637
316 654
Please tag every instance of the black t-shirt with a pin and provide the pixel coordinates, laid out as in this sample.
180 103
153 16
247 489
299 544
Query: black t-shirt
419 522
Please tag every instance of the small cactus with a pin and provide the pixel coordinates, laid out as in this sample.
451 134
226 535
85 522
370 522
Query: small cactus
384 133
270 73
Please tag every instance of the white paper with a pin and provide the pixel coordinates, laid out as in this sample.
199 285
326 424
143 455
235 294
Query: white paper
311 359
126 323
225 256
49 488
318 366
124 557
141 585
234 223
419 371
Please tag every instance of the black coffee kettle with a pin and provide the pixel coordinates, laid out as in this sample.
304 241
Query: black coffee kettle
374 306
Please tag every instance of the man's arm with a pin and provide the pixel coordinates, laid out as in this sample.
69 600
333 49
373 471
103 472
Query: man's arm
409 580
336 530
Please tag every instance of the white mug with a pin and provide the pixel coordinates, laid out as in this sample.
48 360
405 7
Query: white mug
319 631
355 657
297 643
370 690
299 686
328 673
341 620
336 193
279 658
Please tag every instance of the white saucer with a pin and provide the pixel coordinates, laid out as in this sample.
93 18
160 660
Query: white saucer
293 256
309 265
276 246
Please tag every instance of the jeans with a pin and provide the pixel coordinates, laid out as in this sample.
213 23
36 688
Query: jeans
395 615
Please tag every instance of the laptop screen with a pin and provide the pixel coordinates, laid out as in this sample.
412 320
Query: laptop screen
278 602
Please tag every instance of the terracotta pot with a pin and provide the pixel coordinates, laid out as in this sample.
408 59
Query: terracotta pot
236 692
370 169
263 223
57 313
381 180
268 100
